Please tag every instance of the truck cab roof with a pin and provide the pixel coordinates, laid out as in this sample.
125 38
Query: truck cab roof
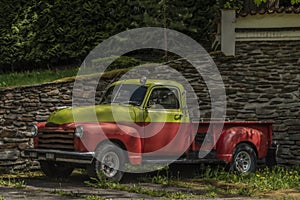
150 83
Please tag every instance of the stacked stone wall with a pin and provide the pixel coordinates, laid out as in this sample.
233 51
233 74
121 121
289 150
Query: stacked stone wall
262 83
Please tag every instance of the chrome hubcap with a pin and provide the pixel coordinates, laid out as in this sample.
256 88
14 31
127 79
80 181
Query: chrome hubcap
243 161
110 164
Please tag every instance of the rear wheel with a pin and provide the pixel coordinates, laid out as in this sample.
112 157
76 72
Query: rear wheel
244 159
109 163
56 170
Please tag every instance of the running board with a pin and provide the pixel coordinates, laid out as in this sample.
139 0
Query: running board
184 161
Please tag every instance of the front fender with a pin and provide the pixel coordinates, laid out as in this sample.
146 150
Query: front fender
231 137
94 134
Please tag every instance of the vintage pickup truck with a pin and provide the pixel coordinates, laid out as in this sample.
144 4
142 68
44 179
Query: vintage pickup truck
143 121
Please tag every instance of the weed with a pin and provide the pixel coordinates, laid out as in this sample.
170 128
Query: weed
264 180
211 194
162 179
136 189
21 175
93 197
12 183
219 182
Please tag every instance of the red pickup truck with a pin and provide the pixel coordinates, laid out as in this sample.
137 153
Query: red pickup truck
139 122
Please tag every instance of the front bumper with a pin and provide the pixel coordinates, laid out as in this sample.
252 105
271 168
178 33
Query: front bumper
60 156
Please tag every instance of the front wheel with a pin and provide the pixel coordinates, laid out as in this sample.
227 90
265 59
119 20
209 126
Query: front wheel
109 163
244 159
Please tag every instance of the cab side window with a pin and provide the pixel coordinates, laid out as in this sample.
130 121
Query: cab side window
164 98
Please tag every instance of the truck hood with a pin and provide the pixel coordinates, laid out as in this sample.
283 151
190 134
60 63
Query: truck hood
98 113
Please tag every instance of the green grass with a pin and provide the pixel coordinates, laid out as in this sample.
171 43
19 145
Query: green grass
43 76
217 182
12 183
34 77
263 180
136 188
93 197
275 183
212 182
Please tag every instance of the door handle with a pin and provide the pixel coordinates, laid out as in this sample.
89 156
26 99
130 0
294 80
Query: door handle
178 116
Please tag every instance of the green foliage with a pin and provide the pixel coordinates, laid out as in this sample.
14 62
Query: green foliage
12 183
93 197
259 2
194 18
231 4
47 33
43 76
137 189
43 34
121 62
240 4
293 2
218 182
263 180
34 77
159 179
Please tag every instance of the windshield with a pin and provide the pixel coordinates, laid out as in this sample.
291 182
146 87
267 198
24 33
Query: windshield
125 93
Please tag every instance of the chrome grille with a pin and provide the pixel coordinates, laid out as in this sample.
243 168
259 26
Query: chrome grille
61 140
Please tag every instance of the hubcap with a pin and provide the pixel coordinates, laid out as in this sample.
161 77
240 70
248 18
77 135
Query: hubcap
110 164
243 161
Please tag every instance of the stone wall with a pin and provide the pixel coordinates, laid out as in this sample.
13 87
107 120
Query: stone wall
262 83
22 106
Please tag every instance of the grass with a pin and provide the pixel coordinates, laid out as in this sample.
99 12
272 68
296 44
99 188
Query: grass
44 76
12 183
34 77
212 182
263 180
136 188
93 197
15 180
216 182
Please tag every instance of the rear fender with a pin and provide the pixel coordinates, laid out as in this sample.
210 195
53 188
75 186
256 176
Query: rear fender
231 137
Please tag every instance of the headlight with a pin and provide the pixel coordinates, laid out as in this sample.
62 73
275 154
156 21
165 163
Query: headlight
79 131
34 130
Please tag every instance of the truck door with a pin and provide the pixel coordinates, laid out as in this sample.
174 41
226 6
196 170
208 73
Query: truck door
165 125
